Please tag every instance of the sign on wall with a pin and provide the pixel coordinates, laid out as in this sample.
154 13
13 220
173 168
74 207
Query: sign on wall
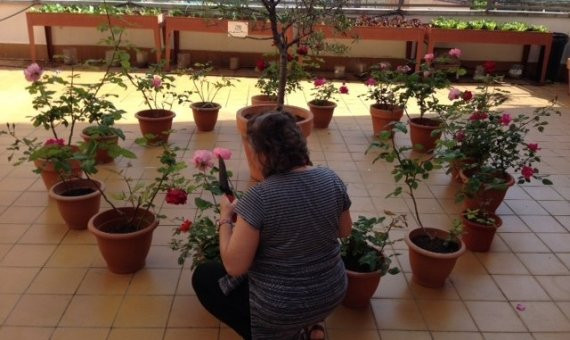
238 29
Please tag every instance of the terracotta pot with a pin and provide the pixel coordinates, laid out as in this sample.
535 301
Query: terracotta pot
361 288
76 210
322 114
124 253
205 117
245 113
421 133
430 269
50 176
383 116
487 199
263 99
157 123
103 143
478 237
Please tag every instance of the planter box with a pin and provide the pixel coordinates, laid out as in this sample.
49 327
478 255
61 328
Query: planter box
437 35
150 22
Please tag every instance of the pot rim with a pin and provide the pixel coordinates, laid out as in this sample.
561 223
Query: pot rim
364 274
412 245
421 126
102 234
59 197
170 114
498 221
390 108
510 180
258 96
330 104
216 107
240 113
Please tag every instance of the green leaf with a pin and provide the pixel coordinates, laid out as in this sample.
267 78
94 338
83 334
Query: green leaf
202 204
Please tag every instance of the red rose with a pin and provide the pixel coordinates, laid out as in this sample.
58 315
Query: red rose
176 196
289 57
343 89
261 65
479 116
302 50
489 67
527 172
533 147
467 96
185 226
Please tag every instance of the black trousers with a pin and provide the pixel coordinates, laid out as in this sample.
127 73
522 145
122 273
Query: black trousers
232 309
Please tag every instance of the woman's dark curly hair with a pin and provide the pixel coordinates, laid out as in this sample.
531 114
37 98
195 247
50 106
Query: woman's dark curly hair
278 142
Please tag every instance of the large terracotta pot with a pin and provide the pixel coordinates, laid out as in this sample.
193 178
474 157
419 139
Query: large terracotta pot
383 116
421 133
205 117
124 253
263 99
478 237
361 288
77 200
49 174
322 113
431 269
156 122
487 199
244 114
103 143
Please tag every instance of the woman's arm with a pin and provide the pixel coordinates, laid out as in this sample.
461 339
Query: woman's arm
345 224
238 245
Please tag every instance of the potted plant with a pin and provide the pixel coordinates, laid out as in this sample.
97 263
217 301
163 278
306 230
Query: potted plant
268 82
432 251
422 85
480 227
321 106
205 111
384 88
364 257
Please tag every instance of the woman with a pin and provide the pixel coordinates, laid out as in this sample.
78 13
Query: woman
285 240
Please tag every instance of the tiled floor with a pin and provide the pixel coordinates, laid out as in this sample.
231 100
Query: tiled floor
54 284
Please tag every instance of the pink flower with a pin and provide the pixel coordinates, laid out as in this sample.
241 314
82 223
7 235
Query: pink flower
403 69
429 57
533 147
185 226
384 66
156 82
454 94
222 153
371 82
520 307
343 89
479 116
55 142
261 65
203 159
33 72
302 50
455 53
489 67
320 82
467 96
176 196
459 136
506 119
527 172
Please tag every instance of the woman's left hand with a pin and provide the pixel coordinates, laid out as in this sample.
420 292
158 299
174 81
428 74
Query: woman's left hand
227 208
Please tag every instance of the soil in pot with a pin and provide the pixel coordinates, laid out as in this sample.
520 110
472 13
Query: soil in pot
102 156
382 117
77 200
205 115
156 122
322 112
486 199
478 237
421 130
435 244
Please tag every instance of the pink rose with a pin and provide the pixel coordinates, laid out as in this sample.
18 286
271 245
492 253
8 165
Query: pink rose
455 53
320 82
478 116
467 96
185 226
33 72
533 147
527 172
429 57
203 159
454 94
403 69
55 142
176 196
371 82
222 153
156 82
343 89
506 119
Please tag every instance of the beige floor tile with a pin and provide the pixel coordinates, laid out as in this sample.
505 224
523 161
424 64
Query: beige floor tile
103 282
543 224
526 207
397 315
16 184
348 318
543 193
507 336
33 199
191 333
524 242
456 335
20 215
156 311
447 292
79 237
25 333
394 287
543 317
564 220
513 224
187 311
446 316
7 302
24 255
519 287
558 287
405 335
556 207
10 233
557 242
154 282
73 256
57 281
162 257
44 234
38 310
552 336
344 334
91 311
185 282
495 316
80 333
4 249
16 280
476 287
135 334
543 264
565 307
502 263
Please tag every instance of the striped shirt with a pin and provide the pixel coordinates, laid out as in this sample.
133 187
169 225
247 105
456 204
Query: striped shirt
297 277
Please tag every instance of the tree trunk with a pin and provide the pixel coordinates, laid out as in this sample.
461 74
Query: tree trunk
282 78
